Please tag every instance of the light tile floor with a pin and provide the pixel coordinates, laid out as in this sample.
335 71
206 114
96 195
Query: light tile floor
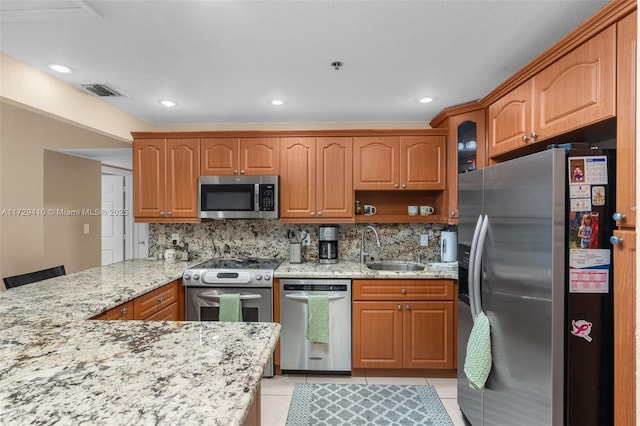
277 391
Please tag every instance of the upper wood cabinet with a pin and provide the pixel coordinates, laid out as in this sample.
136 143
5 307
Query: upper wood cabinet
577 90
316 181
165 179
466 147
399 162
239 156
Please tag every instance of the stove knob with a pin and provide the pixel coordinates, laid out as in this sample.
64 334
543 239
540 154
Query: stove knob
196 276
187 275
258 277
267 277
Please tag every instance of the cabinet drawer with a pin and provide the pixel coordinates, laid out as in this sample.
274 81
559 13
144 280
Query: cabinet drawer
154 301
403 290
168 313
121 312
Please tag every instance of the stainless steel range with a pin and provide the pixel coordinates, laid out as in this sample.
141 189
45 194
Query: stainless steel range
252 278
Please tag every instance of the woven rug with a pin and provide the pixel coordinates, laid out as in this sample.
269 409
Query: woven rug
332 404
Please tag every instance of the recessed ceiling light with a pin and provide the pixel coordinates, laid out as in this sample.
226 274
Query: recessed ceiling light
60 68
425 100
167 103
277 102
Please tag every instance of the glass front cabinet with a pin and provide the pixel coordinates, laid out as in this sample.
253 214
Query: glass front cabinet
465 146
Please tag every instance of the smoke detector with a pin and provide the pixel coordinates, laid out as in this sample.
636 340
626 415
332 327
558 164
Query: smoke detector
336 65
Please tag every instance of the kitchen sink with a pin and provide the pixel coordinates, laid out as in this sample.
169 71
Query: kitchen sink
395 266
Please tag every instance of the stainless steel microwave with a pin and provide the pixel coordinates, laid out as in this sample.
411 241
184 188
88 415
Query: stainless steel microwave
238 197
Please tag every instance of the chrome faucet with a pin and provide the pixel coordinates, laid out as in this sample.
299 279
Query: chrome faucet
363 253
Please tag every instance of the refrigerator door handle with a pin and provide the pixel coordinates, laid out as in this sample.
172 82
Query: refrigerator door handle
472 256
477 266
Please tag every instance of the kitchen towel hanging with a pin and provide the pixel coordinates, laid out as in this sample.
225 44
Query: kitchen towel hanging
477 363
230 307
318 318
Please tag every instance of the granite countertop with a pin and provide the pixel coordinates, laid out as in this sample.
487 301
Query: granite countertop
56 367
350 269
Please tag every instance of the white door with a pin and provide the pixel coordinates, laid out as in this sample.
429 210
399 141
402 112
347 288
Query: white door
112 219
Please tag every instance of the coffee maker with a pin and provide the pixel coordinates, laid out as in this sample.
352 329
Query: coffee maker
328 240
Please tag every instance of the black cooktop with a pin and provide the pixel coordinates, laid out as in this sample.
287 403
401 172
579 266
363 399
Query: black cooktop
246 263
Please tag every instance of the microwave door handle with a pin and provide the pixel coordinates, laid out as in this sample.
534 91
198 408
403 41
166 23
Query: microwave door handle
256 198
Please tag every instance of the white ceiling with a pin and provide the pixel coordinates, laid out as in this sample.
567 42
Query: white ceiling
223 61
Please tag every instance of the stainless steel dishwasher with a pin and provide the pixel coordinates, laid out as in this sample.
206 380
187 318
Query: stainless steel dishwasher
297 354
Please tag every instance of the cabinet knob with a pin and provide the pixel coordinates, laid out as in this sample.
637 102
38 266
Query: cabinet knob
313 213
168 213
616 240
395 185
123 311
160 299
399 307
235 172
404 185
403 291
241 172
161 213
452 214
319 213
408 306
617 216
525 138
534 135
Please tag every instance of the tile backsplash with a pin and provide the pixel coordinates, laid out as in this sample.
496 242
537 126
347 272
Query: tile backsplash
268 238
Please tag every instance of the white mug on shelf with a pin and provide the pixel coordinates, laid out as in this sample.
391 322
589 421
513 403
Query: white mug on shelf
426 210
412 210
369 209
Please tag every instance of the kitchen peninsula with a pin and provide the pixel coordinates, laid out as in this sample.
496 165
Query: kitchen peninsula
57 367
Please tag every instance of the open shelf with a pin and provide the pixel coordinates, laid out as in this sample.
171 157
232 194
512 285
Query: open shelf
391 206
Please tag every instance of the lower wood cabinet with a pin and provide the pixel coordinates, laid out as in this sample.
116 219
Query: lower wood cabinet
412 328
162 304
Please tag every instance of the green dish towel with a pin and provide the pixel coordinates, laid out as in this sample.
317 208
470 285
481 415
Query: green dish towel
318 318
230 307
477 364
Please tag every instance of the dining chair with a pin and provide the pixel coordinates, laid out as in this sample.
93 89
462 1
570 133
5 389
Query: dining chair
32 277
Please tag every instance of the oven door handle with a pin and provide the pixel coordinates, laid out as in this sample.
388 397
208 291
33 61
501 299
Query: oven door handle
305 298
242 296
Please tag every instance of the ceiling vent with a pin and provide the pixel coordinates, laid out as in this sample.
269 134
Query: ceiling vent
102 90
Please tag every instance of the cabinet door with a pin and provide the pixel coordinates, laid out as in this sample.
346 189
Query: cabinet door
578 89
297 178
461 157
149 177
259 156
168 313
626 120
334 159
624 335
377 335
422 162
428 335
376 162
182 163
510 120
219 156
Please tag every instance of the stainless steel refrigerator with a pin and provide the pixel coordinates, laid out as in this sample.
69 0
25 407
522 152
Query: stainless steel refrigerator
544 280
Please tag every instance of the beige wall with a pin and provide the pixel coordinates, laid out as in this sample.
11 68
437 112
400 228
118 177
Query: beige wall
69 194
24 137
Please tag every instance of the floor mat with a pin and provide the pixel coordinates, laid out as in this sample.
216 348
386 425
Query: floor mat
335 404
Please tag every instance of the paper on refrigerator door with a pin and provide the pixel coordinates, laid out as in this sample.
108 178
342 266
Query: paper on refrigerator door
589 270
